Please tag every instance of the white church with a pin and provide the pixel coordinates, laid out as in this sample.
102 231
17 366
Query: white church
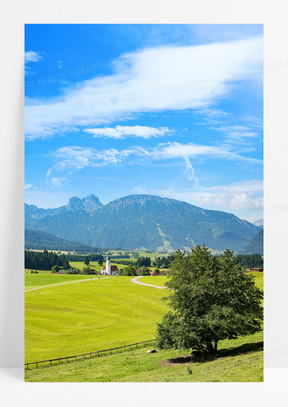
108 269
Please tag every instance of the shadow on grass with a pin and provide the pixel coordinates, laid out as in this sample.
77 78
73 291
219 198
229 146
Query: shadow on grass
240 350
222 353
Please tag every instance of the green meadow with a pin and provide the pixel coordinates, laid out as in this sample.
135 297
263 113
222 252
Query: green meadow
240 360
98 314
39 280
108 312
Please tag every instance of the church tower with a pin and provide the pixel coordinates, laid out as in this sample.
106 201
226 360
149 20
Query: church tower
108 266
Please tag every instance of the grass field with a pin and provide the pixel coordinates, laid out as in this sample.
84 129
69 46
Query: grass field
154 280
39 280
99 314
240 360
160 280
77 318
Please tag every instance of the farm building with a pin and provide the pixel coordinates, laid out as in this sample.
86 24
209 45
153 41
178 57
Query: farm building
108 269
256 269
152 273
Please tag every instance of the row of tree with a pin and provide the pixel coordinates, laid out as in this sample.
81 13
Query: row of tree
45 260
249 260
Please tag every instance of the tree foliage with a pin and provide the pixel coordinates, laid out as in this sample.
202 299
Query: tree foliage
144 271
249 260
210 300
128 271
87 270
73 270
45 260
143 261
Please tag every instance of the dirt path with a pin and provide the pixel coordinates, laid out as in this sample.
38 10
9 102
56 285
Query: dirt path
135 280
69 282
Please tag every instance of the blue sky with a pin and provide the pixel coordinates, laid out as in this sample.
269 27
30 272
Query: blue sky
168 110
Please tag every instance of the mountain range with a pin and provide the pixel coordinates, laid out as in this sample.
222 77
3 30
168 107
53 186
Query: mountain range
255 245
259 222
141 222
36 240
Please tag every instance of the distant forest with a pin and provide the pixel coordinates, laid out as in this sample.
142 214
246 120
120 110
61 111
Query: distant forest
249 260
45 260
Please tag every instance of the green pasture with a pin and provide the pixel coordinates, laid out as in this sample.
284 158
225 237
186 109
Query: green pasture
109 312
77 318
39 280
28 271
154 280
240 360
160 280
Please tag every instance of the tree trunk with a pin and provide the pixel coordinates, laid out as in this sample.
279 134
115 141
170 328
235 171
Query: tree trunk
209 347
215 347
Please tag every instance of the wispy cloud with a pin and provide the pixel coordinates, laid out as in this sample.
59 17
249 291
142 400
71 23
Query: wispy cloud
243 196
32 56
59 181
177 150
237 134
29 186
155 79
121 132
74 158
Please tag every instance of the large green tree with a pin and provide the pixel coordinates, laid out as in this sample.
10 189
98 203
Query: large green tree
210 300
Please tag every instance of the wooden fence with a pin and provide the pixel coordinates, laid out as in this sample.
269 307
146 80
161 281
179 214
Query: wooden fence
105 352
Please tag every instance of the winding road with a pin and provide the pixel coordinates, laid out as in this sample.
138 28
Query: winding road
68 282
135 280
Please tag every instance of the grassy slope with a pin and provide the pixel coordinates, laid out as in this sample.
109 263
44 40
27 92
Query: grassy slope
78 318
241 360
160 280
39 280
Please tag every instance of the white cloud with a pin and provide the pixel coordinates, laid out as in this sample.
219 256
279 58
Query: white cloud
237 134
59 181
177 150
74 158
254 185
190 170
32 56
235 198
28 186
121 132
155 79
232 200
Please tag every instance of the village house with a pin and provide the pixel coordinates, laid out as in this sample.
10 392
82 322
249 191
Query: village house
152 273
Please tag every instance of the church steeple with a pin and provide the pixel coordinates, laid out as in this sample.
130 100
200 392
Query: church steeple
108 266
